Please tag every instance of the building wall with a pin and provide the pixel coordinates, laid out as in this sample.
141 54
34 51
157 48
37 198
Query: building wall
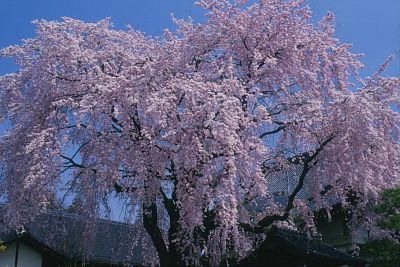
337 234
7 257
27 257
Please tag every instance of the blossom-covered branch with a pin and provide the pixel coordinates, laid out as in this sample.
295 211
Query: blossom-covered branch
186 127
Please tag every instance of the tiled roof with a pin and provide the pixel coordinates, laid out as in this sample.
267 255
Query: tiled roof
283 182
313 246
286 248
111 242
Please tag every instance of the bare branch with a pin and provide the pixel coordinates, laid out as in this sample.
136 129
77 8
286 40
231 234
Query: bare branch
277 130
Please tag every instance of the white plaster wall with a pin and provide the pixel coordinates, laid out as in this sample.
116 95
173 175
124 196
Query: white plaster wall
27 257
7 257
360 236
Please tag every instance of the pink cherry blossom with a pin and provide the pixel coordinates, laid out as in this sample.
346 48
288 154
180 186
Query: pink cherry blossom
186 127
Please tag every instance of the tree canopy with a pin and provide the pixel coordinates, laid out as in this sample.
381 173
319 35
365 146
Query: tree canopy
186 126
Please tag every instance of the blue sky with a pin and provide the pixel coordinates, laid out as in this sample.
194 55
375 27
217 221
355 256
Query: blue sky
372 26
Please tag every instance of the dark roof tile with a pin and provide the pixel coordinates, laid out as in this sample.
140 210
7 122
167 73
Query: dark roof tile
109 242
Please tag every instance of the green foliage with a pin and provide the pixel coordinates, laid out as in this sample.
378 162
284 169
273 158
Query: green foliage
389 209
385 253
2 247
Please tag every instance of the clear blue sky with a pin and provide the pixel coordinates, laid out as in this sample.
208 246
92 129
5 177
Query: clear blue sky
372 26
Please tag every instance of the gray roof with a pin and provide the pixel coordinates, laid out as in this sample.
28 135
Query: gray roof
314 246
284 182
119 243
288 248
110 242
281 183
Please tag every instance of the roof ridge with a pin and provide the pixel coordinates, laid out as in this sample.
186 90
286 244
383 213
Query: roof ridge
80 217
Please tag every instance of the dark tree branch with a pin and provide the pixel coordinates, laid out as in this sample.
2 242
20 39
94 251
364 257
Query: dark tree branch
103 70
173 213
57 76
268 220
150 220
307 161
75 164
151 226
264 134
